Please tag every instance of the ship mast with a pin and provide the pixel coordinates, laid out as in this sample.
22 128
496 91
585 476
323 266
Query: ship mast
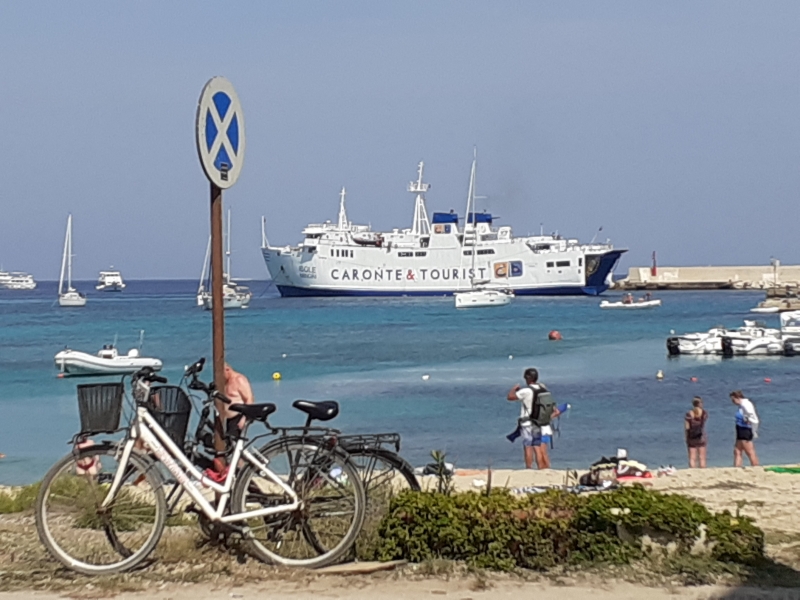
422 225
344 224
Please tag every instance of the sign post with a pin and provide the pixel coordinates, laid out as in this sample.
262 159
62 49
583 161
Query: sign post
220 146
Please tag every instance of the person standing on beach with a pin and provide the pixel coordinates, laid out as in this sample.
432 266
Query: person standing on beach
746 428
531 433
696 440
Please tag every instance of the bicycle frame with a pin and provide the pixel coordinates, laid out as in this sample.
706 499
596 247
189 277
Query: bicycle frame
187 476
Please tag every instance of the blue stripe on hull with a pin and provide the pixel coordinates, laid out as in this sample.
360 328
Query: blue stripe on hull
288 291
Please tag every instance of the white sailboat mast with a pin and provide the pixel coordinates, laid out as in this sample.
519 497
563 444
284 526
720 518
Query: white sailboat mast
422 225
344 224
69 254
64 257
471 211
228 251
201 287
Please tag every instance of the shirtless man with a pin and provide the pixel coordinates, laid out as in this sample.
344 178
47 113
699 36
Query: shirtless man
238 391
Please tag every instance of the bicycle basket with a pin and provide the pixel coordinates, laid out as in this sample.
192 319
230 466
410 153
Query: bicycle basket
171 407
100 407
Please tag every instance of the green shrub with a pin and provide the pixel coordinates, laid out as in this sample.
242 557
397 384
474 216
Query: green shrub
18 500
542 531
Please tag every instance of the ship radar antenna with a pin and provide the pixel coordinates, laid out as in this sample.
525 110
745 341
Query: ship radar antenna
343 222
421 225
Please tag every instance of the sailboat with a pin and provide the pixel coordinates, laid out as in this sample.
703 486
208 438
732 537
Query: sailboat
233 295
479 295
70 297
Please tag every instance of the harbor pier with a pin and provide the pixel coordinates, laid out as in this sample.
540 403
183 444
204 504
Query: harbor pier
775 278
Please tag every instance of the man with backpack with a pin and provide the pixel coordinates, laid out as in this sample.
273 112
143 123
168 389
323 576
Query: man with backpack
537 409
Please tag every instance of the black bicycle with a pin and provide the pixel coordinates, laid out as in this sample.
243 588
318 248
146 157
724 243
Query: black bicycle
383 472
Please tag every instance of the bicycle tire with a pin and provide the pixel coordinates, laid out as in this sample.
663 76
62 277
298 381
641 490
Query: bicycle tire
105 540
385 474
311 470
397 463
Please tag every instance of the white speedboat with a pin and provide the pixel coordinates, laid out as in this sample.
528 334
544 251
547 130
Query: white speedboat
233 294
106 362
631 305
765 310
69 296
753 338
110 281
17 280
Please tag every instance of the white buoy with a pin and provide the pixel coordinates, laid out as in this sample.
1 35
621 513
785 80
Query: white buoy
672 332
283 355
660 374
510 357
426 377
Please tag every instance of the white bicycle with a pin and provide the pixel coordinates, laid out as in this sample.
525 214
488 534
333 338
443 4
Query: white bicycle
102 508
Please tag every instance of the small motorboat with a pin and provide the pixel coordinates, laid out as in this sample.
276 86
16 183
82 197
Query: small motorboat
765 310
631 305
106 362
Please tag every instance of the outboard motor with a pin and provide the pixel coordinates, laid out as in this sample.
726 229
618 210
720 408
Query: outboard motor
727 347
673 346
788 348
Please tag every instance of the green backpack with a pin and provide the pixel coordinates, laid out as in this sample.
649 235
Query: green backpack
543 406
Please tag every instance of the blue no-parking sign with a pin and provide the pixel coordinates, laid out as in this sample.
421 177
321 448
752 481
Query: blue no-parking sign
220 132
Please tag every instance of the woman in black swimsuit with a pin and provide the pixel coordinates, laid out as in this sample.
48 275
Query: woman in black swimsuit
696 440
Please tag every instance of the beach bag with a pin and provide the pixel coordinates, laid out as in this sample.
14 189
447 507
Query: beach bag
543 406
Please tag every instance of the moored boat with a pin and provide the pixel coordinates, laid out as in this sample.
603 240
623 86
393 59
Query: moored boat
69 296
106 362
110 281
17 280
631 305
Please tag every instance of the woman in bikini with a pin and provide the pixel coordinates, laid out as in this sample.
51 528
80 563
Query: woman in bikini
695 428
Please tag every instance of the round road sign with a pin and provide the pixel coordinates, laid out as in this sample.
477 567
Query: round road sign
220 132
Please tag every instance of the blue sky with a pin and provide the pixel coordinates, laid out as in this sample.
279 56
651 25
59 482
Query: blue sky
675 126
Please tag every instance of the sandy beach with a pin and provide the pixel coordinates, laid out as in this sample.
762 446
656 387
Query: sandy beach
772 499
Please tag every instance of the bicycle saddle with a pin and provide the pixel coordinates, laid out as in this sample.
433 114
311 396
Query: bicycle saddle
257 412
321 411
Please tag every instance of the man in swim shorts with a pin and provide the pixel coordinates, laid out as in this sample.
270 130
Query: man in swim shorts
531 433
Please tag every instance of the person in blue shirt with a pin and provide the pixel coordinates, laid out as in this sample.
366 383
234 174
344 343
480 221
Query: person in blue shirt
746 429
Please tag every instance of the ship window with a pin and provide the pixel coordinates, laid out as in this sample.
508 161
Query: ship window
580 262
420 254
351 254
467 252
404 254
550 265
562 263
486 251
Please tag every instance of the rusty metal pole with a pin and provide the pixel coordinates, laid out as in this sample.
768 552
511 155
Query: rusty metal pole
217 310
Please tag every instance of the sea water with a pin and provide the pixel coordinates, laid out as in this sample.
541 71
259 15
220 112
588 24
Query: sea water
416 366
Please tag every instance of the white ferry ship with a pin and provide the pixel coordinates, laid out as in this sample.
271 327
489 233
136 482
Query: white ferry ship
434 257
16 280
110 281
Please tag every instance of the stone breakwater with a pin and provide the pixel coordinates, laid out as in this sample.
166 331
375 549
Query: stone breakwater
758 277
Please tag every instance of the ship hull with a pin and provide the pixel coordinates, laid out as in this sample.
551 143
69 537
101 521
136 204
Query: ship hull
298 275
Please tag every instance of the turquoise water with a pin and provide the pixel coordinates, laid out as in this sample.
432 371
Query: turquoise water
371 354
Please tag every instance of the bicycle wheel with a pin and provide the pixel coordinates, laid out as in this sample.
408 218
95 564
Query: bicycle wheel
90 539
385 474
330 516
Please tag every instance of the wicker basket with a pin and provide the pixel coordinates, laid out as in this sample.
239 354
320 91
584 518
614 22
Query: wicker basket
172 408
100 407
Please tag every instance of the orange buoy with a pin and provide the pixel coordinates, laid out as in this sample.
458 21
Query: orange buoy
767 380
554 336
693 379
